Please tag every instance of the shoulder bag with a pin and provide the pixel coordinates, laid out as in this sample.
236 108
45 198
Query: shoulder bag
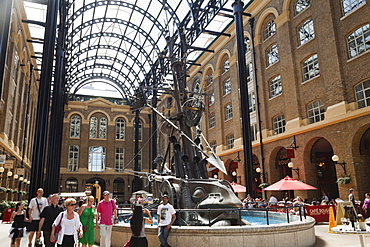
58 228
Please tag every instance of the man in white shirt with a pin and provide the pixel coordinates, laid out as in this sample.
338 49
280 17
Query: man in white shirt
166 217
273 200
37 204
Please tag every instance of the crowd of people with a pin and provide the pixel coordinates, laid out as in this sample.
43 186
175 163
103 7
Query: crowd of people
70 223
63 223
250 202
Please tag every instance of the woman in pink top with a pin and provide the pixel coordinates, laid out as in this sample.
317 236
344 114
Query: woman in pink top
366 205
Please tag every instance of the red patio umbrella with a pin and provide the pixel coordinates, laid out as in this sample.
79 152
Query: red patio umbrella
238 187
289 183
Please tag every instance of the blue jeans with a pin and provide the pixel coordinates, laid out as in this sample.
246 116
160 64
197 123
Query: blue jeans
163 235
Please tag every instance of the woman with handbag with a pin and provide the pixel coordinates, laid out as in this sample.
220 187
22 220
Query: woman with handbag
137 224
18 229
87 215
67 226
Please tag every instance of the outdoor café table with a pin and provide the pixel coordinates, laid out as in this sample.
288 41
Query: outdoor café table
361 235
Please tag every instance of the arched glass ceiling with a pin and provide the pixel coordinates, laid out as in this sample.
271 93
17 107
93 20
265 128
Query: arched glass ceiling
120 42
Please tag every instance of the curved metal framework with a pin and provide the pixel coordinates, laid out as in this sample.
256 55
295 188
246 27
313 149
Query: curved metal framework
126 42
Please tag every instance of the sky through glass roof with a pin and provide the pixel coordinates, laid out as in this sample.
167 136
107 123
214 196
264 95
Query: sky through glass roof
117 43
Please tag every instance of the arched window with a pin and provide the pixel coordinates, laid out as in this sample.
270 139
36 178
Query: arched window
270 29
275 87
310 68
225 66
96 159
247 44
306 32
93 127
362 92
196 86
120 129
120 158
209 77
103 128
316 111
279 124
71 185
359 41
301 5
75 125
73 158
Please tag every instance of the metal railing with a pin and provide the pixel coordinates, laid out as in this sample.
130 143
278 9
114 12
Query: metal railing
124 214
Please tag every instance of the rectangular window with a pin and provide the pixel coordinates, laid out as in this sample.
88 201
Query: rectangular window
279 124
316 111
251 102
212 120
275 87
228 112
96 159
73 158
119 161
253 132
230 141
227 86
272 55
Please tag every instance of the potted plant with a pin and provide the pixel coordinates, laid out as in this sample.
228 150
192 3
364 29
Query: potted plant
2 189
263 185
344 180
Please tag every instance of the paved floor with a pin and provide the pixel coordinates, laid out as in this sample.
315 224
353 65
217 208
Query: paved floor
323 238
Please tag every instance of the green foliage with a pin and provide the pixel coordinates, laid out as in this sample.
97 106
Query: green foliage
2 189
344 180
263 185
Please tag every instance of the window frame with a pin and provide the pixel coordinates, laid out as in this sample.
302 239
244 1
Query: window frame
228 111
316 116
227 86
306 27
278 124
363 91
269 30
356 38
119 163
230 141
120 129
303 8
272 55
274 84
75 126
354 4
312 62
212 120
73 161
91 159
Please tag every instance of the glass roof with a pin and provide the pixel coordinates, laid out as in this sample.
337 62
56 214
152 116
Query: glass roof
119 42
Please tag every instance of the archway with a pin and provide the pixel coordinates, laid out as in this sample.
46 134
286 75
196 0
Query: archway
96 186
321 154
119 190
281 164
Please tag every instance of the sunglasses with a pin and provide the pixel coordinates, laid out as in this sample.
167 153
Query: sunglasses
74 204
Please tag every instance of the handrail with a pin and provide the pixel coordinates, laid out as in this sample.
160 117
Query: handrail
281 209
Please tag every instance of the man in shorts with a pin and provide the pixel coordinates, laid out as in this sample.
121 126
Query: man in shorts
37 204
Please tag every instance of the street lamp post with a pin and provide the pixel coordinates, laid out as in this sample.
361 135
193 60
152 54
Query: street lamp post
291 165
9 174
